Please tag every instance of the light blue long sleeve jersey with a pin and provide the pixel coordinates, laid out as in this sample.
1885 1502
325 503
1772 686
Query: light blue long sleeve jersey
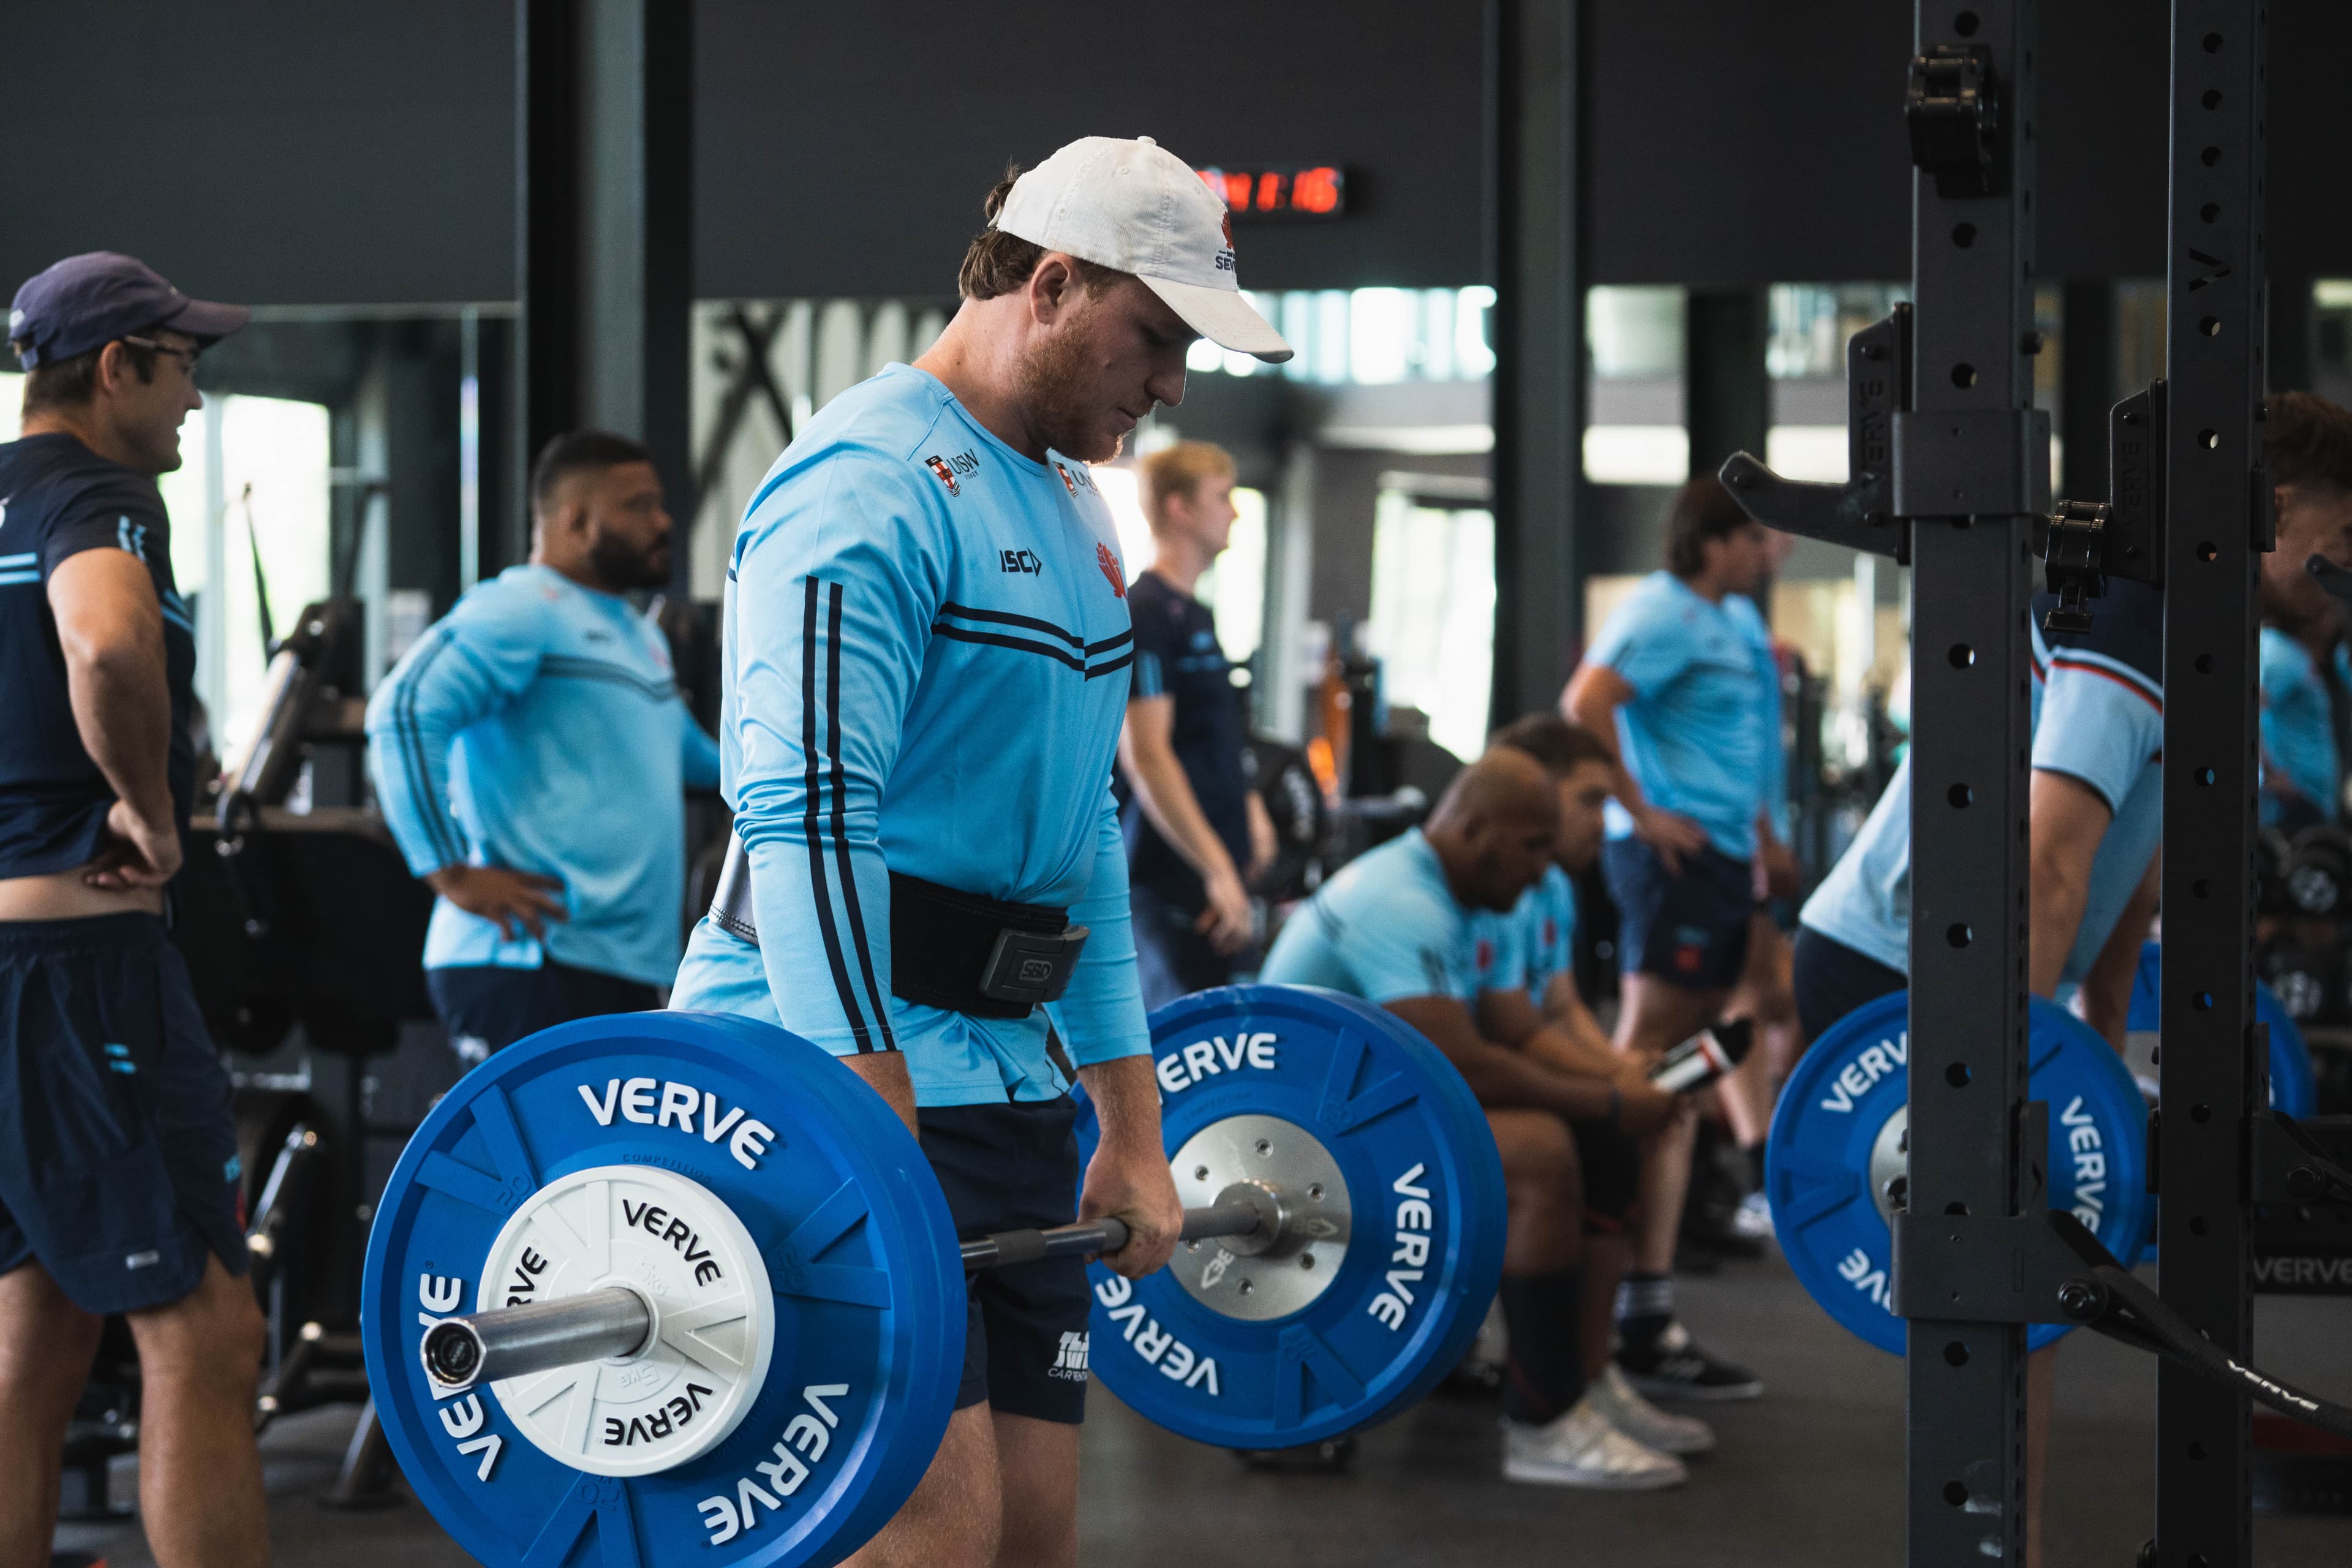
2299 718
538 727
1692 734
928 648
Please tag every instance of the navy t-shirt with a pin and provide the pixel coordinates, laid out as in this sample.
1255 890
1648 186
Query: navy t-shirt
1176 654
58 498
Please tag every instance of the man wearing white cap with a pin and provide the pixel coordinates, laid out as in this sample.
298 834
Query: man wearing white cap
927 650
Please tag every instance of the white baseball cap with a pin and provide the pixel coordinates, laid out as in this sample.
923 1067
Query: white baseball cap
1134 207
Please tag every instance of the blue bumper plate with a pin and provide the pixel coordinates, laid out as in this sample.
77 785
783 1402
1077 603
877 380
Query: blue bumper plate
1837 1145
1387 1167
2294 1087
869 1321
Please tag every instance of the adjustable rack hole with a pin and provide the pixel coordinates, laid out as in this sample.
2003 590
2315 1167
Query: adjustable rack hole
2210 439
1961 796
1958 934
1964 235
2204 776
1956 1353
1958 1075
2212 43
1965 24
2203 1001
2212 98
1961 655
2211 326
2201 887
1964 374
2204 664
2200 1113
2210 156
1956 1493
2196 1450
2209 212
2197 1225
1956 1208
2206 550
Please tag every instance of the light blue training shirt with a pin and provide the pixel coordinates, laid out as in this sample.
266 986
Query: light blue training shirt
1750 620
1691 734
1533 942
2298 718
2098 716
538 727
1386 926
927 658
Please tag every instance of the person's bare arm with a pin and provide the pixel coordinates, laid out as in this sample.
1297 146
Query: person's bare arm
1127 1178
1594 694
1510 1018
1265 843
2108 988
1502 1078
885 1073
1166 796
2070 817
110 628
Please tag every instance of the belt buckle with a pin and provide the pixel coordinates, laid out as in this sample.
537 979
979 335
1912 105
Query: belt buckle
1028 967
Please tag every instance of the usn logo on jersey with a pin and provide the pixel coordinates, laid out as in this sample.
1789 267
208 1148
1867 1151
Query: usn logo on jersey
947 468
1073 481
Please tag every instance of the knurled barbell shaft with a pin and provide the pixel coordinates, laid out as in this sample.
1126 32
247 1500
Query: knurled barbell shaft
1098 1235
511 1342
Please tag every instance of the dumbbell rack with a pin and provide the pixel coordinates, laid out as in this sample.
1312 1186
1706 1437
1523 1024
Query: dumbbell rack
1949 472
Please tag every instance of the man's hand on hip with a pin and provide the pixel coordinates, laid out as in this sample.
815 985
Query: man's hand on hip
140 849
523 899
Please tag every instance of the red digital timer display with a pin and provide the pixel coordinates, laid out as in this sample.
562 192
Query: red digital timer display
1292 189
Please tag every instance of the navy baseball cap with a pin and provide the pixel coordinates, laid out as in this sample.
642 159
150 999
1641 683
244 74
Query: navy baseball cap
86 301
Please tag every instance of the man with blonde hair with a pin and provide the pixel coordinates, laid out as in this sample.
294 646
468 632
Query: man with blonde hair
1196 832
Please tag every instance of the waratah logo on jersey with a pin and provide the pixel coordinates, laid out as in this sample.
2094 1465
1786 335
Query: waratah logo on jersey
1110 564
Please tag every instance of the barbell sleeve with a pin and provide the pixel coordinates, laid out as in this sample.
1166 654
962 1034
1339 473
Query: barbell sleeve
1098 1235
511 1341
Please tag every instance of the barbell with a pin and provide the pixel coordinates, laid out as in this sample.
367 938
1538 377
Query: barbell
685 1283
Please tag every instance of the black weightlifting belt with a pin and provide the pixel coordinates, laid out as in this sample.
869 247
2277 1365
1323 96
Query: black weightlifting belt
952 949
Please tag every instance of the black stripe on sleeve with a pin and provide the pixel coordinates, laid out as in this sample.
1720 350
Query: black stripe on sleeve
840 830
813 823
1019 645
429 805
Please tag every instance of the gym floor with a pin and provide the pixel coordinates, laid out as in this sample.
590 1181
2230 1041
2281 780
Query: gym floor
1425 1489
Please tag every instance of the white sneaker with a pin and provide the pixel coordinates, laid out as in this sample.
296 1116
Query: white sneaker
1753 1219
1644 1422
1582 1449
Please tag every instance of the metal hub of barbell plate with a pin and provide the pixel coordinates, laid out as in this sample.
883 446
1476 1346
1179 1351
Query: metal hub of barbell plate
1283 1171
675 1244
1890 1163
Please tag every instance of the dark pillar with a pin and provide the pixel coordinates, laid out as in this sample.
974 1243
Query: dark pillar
604 223
1727 395
2290 332
2088 389
1536 54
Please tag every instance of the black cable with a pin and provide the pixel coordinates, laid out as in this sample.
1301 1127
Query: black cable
2137 1316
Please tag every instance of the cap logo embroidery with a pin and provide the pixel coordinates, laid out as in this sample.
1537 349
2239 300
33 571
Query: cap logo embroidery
1110 564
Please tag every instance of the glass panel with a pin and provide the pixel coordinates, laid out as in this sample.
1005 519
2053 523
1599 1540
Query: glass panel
274 461
1122 492
1381 332
1636 454
1298 331
1635 331
1433 620
1234 587
1436 346
1474 355
12 403
1331 336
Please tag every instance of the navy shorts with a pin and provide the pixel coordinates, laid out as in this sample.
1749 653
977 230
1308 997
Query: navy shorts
1689 929
1015 1167
118 1151
487 1007
1831 980
1611 1163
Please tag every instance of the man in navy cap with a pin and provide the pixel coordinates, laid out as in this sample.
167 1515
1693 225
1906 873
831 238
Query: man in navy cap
118 1177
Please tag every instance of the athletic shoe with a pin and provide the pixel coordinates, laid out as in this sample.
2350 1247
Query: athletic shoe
1644 1421
1675 1367
1754 1220
1582 1449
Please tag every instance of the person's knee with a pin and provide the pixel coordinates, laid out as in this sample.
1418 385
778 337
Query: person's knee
214 1334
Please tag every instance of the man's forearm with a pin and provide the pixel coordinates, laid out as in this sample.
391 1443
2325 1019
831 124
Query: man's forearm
1597 717
1125 1099
885 1072
1174 811
1561 1049
2054 914
1503 1079
122 708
